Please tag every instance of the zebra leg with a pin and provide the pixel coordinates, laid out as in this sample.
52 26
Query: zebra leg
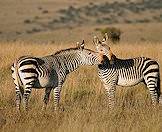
18 98
153 89
57 91
46 97
27 92
153 94
110 89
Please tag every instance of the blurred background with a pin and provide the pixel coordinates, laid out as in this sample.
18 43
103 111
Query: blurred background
72 20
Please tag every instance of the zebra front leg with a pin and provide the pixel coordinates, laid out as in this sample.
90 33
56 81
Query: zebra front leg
46 97
27 92
110 90
57 91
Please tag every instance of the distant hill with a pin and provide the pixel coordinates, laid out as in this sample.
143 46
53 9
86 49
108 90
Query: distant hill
21 18
108 13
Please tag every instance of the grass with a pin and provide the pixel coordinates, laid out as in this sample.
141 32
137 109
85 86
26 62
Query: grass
83 105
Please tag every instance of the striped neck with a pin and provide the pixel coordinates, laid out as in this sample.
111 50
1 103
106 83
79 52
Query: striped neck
69 59
72 58
105 64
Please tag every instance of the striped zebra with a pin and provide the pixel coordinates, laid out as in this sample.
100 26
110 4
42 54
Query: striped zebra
48 72
126 72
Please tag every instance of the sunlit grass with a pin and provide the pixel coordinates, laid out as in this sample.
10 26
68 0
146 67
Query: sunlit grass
83 104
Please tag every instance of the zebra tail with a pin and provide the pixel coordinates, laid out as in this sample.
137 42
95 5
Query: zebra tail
18 78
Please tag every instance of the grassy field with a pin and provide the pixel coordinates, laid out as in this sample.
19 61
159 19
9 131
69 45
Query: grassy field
41 28
83 105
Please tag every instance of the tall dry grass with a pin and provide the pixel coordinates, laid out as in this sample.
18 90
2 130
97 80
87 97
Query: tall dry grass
83 105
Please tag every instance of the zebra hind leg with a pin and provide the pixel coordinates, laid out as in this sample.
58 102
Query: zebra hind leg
154 95
27 92
46 97
154 91
18 97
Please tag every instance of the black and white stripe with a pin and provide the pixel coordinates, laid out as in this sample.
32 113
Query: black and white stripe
128 72
48 72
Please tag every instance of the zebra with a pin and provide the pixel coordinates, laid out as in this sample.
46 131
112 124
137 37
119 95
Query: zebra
126 72
48 72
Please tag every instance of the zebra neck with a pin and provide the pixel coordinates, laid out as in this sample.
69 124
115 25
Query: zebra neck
105 65
71 62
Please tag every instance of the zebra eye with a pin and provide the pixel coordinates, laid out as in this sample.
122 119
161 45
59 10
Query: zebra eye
101 50
89 53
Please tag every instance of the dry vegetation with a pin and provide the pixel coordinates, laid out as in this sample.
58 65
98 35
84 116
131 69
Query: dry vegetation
83 101
83 105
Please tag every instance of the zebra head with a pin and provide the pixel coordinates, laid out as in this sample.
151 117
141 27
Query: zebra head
103 49
87 56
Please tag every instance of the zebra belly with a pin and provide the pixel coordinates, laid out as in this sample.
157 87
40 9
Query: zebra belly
39 82
46 82
50 80
128 82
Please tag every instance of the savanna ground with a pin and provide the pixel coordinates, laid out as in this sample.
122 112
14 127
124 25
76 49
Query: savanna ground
83 105
43 27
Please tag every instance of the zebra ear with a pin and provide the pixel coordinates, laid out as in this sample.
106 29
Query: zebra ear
96 40
77 45
82 45
106 37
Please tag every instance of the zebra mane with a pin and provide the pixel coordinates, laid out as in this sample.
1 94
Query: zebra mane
65 50
70 49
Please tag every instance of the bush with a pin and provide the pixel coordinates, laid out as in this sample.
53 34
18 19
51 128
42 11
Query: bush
112 32
27 21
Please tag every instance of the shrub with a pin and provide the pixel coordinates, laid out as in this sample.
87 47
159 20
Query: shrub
112 32
45 11
27 21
